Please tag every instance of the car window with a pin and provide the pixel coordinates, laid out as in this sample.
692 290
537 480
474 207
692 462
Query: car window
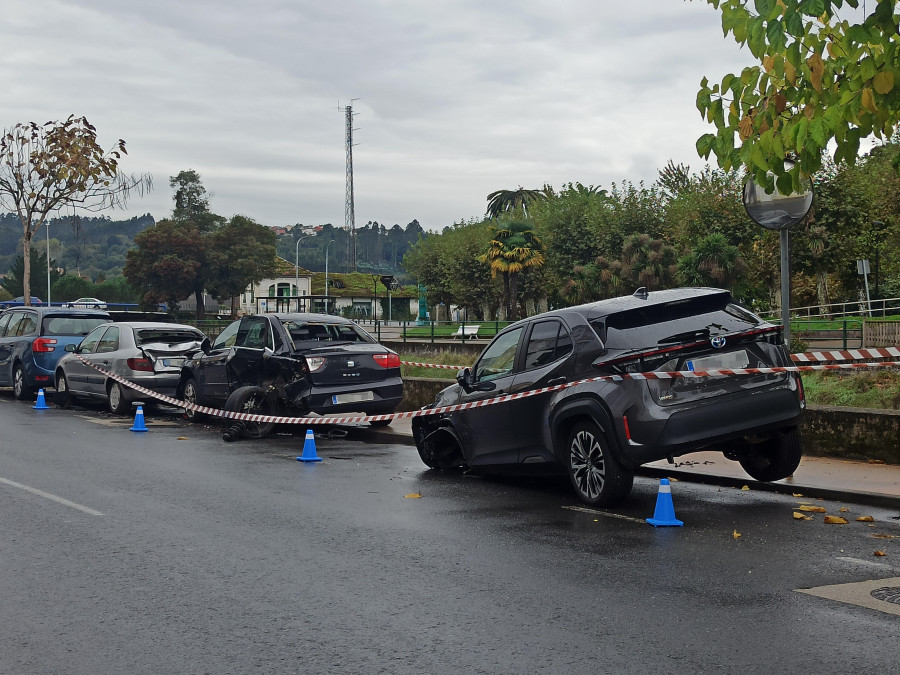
499 358
72 325
170 336
109 342
89 344
254 333
548 342
4 322
302 332
26 324
15 321
228 336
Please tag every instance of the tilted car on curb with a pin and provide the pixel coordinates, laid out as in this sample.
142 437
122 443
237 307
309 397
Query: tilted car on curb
599 432
293 365
149 354
32 341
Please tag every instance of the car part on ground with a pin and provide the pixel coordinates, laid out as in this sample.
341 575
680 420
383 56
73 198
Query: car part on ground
303 363
599 432
148 354
33 340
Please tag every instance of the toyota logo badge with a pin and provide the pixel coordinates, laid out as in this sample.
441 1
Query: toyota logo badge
718 342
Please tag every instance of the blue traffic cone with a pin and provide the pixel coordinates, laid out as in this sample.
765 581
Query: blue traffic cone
664 515
309 448
41 403
139 420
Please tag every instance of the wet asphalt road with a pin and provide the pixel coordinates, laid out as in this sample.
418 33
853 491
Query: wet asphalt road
197 556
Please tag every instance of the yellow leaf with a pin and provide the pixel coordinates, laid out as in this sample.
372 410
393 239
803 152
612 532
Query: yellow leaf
413 495
816 70
736 534
844 509
800 516
876 461
797 494
812 509
880 553
885 536
865 519
746 487
835 520
883 82
867 100
182 438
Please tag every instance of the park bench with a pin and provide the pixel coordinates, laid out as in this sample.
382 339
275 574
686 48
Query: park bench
466 332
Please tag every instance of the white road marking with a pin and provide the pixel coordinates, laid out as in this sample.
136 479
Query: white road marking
866 563
606 514
47 495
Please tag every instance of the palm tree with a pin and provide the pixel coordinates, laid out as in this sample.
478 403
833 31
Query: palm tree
713 262
514 248
510 201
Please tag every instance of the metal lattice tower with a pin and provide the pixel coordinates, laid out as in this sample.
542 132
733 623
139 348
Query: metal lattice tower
349 216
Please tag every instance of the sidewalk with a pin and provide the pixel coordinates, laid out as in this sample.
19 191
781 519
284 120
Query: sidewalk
835 479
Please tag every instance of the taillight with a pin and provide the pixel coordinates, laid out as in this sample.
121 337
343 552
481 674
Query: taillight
43 345
627 430
315 363
387 360
140 364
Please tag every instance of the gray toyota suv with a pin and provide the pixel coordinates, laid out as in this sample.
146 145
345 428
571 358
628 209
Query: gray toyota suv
600 431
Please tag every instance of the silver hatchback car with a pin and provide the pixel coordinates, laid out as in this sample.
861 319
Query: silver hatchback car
149 354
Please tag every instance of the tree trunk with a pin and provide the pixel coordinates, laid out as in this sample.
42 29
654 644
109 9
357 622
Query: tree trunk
26 271
201 310
513 297
506 306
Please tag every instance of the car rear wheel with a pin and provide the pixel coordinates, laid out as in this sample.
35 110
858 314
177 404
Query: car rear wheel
189 395
63 396
595 474
21 388
775 459
253 401
118 404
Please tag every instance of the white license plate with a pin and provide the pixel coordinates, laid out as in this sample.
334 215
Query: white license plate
728 361
338 399
172 363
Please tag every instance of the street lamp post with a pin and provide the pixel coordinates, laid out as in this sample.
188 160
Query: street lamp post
48 264
297 268
326 274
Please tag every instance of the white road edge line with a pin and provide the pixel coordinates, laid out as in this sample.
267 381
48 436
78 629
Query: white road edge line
47 495
584 509
866 563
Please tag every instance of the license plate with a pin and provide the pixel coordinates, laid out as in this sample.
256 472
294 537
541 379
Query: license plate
172 363
727 361
338 399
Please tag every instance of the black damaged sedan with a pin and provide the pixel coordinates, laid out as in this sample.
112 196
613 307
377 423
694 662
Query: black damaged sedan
293 365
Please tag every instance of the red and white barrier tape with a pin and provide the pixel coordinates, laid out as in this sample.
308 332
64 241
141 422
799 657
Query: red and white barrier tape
672 375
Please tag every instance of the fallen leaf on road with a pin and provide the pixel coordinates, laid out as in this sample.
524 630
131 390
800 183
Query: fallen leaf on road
181 438
835 520
885 536
736 534
413 495
865 519
880 553
800 516
876 461
746 487
797 494
813 509
844 509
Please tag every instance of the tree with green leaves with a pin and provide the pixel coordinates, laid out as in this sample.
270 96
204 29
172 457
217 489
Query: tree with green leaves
513 249
819 78
712 262
513 202
59 166
14 281
238 254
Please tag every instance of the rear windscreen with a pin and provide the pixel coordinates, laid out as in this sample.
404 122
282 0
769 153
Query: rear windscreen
303 332
72 325
683 321
167 336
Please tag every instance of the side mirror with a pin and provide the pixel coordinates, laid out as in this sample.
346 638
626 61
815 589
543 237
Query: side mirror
464 379
71 348
206 346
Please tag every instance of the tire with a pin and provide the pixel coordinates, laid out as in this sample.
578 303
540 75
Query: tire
189 395
775 459
63 396
439 450
118 404
252 400
596 475
21 389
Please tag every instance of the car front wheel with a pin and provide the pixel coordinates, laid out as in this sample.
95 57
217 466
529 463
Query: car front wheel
63 396
189 395
596 475
775 459
118 404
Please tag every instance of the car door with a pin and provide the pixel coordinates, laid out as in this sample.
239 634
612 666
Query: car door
16 342
486 432
5 351
547 362
101 357
210 369
247 365
78 374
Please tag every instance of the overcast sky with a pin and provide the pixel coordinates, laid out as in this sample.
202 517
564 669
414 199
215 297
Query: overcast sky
455 98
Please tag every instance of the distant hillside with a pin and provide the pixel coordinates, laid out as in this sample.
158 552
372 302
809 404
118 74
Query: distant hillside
89 246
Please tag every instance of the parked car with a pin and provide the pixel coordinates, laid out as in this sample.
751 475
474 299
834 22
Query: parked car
293 365
20 301
149 354
87 303
33 339
599 432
